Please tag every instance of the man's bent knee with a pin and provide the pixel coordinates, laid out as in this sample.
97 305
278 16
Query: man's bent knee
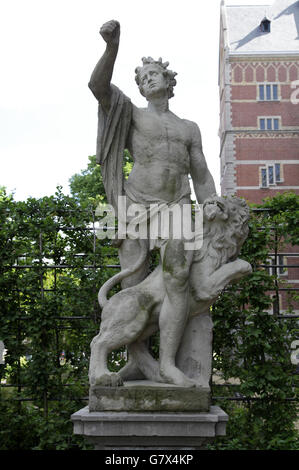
177 277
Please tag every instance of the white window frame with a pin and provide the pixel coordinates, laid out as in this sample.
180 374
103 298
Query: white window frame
265 92
266 168
272 119
281 260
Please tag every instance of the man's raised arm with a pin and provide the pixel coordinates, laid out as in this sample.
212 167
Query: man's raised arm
101 76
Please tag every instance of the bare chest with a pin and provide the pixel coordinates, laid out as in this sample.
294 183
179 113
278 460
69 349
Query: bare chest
159 128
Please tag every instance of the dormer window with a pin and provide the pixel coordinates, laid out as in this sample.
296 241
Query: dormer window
265 25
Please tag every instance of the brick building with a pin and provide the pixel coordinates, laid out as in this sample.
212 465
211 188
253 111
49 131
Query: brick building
259 124
259 107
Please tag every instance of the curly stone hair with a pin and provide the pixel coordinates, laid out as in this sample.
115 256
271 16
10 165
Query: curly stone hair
168 74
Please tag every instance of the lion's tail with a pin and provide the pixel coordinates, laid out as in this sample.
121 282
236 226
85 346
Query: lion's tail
103 292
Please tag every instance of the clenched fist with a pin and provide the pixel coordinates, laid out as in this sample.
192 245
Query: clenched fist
110 32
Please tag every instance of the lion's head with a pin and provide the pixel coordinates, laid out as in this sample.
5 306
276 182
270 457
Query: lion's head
225 228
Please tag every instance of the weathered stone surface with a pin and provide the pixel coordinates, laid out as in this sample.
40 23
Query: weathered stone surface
123 430
148 396
194 356
166 150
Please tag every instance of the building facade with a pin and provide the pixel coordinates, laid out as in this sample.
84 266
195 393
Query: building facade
259 110
259 105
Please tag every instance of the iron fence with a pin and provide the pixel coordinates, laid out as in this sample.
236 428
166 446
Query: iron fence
41 266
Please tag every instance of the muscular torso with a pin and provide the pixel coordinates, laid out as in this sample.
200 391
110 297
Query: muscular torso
159 144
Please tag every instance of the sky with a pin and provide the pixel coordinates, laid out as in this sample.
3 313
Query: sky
48 116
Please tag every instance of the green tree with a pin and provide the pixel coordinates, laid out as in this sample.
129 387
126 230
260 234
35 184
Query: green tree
51 267
49 277
87 187
253 346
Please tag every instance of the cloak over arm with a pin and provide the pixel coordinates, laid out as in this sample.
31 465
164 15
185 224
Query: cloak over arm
113 130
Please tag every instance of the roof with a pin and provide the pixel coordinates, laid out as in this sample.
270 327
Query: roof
245 36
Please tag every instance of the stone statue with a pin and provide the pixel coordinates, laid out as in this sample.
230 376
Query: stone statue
134 314
166 150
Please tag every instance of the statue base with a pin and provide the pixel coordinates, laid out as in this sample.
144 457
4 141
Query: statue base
144 395
112 430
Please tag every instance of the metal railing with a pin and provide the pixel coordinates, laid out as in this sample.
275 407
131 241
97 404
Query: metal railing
40 265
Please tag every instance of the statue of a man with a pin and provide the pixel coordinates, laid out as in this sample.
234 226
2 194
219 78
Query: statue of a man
166 150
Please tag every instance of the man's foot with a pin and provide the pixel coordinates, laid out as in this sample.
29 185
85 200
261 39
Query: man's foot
173 375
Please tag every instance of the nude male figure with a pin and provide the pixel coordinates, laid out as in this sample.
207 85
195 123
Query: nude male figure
165 150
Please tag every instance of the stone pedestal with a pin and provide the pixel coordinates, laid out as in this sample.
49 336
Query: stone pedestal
149 415
144 395
112 430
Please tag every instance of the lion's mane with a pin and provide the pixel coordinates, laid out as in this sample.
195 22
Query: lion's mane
224 236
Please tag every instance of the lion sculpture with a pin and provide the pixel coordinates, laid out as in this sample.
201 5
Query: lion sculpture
131 316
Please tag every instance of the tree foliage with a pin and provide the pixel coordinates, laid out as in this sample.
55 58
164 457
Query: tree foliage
50 273
51 267
87 187
254 346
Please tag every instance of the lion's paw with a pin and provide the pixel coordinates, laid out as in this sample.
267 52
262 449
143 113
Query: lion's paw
244 266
